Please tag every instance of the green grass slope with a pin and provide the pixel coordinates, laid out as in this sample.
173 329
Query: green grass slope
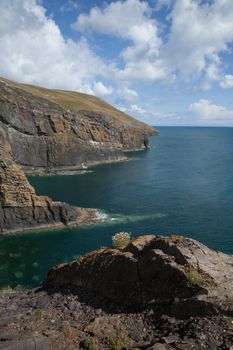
77 101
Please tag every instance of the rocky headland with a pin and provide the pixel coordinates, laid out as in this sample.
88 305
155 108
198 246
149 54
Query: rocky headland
157 293
50 132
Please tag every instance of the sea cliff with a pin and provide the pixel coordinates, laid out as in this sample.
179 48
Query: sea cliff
47 131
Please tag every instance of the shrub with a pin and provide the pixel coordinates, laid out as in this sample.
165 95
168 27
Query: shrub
6 289
39 314
176 238
88 344
67 332
118 341
194 276
121 240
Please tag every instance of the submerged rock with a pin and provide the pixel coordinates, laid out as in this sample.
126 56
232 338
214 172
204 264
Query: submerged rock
178 274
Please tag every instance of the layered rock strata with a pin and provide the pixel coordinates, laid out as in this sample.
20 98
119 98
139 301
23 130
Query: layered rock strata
44 136
20 207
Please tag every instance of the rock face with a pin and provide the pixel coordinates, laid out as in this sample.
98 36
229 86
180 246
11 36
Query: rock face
180 293
21 208
39 136
45 136
180 273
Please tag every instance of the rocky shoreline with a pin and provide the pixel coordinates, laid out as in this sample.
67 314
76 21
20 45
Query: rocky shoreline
180 297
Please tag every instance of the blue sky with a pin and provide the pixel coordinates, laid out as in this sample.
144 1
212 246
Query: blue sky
166 62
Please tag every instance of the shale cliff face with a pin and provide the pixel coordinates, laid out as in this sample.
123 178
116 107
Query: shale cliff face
40 135
45 136
21 208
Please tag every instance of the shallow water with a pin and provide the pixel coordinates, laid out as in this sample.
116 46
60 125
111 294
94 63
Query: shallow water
183 185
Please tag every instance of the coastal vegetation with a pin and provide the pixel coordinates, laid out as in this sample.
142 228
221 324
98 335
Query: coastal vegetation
121 240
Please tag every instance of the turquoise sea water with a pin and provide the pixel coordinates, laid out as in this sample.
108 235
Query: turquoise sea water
182 185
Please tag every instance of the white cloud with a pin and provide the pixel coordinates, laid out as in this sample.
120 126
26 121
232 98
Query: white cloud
129 92
127 95
199 32
129 20
34 50
126 19
137 109
102 90
208 110
133 108
227 82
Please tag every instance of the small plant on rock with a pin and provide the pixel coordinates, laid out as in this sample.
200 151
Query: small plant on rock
118 341
176 238
88 344
67 332
6 290
121 240
39 314
194 276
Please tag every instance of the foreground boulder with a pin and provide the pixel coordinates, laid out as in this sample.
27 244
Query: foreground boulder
168 283
179 273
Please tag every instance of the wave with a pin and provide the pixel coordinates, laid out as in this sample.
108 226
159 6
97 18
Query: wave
115 219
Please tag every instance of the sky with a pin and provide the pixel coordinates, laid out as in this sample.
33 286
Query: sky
165 62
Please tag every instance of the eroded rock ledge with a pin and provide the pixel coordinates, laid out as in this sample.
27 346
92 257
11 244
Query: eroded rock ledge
21 209
157 294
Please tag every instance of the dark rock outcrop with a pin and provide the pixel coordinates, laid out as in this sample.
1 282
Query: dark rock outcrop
83 305
20 207
179 273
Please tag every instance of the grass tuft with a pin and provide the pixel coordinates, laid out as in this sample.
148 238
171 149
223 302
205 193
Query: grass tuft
194 276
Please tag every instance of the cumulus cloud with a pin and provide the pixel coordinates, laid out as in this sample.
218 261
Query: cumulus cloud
137 109
208 110
34 50
133 108
127 95
199 32
102 90
131 21
227 82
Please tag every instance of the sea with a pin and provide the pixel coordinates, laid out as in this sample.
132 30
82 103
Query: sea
182 185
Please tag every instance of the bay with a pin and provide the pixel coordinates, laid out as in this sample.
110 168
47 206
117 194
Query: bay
182 185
